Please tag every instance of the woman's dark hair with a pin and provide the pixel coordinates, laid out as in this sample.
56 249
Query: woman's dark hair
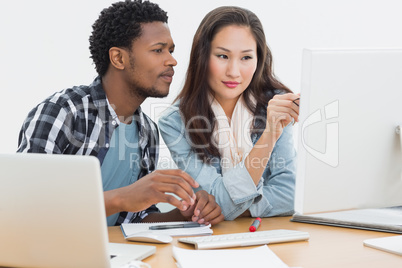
194 104
118 26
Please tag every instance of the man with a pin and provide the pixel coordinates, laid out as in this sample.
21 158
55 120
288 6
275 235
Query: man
132 48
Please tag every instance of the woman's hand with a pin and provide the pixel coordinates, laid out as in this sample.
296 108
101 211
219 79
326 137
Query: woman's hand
205 210
281 111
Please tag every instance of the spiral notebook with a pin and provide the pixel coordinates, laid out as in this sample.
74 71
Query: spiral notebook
129 229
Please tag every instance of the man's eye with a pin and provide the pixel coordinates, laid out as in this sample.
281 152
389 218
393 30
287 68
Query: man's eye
158 50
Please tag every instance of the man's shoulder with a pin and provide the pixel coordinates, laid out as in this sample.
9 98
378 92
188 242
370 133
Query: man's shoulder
68 96
81 95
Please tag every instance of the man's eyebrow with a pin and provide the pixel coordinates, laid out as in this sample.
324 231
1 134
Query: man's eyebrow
159 44
227 50
162 44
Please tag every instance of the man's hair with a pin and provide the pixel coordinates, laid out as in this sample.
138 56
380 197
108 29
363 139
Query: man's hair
118 26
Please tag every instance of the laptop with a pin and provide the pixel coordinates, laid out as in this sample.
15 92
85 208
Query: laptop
52 214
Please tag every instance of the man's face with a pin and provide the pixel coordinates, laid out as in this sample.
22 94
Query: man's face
151 62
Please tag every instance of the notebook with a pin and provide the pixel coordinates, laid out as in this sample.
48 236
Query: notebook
52 214
129 229
392 244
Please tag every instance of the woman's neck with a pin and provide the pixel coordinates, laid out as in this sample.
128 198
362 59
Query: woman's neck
228 106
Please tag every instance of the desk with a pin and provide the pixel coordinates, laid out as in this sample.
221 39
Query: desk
327 247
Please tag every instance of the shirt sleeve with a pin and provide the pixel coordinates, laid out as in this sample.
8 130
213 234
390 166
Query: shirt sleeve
46 130
279 179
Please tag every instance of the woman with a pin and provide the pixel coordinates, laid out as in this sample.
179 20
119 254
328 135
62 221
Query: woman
231 125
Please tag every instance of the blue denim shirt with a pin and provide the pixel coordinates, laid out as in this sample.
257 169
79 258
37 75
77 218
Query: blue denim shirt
235 191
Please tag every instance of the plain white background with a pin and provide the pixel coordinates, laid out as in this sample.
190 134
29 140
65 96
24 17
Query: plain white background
44 44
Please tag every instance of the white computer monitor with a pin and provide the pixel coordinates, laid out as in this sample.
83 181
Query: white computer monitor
349 153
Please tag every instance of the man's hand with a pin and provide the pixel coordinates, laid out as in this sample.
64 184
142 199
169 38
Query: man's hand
152 189
205 210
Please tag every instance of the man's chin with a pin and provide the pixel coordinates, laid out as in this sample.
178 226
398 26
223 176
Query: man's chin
152 92
159 94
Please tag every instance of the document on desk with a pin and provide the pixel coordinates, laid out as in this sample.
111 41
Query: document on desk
132 228
392 244
378 219
234 258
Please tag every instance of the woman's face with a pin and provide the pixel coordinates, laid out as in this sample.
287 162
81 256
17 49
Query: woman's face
232 63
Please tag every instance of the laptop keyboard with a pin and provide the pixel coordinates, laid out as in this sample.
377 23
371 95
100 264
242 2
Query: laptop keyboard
245 239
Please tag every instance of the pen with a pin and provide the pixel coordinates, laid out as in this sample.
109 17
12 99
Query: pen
173 226
294 101
255 225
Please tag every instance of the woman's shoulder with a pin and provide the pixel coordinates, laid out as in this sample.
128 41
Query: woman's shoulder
171 115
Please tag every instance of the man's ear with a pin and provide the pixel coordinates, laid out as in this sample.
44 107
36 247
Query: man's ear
117 57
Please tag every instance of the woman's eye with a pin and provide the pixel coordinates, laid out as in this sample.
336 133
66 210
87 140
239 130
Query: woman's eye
158 50
246 58
222 56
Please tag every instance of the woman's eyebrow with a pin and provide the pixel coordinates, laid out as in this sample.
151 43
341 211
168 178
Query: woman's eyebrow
243 51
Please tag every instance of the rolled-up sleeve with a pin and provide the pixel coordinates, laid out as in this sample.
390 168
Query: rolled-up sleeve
279 179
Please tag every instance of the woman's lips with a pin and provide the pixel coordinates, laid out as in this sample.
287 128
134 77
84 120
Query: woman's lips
231 84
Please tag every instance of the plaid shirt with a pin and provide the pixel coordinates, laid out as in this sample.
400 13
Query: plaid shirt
80 121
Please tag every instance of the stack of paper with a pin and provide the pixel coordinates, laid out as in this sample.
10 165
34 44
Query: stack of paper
257 257
129 229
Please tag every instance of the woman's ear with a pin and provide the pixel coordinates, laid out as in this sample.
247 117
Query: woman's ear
117 57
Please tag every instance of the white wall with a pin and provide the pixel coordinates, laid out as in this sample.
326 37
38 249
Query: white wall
44 43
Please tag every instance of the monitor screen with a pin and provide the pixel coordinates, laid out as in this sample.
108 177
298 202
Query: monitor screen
349 152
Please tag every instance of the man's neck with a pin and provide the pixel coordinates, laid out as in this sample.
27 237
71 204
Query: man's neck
120 97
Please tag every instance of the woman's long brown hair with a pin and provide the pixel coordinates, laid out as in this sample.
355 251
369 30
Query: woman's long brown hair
194 105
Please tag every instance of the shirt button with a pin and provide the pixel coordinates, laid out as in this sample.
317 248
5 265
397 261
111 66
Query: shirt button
107 145
114 122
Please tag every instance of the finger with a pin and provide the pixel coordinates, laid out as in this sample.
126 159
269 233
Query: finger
214 217
207 207
289 103
279 112
170 178
287 96
182 174
279 120
292 102
202 200
177 189
162 183
216 220
201 207
167 198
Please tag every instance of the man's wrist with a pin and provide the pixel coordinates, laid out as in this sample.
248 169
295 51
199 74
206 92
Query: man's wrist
176 213
113 202
173 215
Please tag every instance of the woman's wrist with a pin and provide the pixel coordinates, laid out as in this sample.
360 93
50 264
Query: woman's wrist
268 138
